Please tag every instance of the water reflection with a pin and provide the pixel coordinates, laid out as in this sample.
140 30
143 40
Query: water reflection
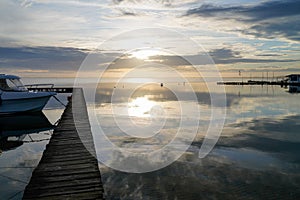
22 141
14 128
294 89
156 93
257 156
140 120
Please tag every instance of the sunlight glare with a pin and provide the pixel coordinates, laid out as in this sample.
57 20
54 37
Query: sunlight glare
140 107
145 54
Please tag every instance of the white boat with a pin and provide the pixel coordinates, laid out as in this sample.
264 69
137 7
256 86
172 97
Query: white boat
16 98
293 78
294 83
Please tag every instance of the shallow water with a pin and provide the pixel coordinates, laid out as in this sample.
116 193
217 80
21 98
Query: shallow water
256 156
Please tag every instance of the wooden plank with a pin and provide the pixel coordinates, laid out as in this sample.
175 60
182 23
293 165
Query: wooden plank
83 195
68 170
86 175
61 192
59 173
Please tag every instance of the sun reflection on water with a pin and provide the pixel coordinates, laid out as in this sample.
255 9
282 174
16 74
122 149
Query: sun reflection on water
140 107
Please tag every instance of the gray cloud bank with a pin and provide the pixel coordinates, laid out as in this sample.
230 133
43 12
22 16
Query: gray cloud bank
70 59
41 58
271 19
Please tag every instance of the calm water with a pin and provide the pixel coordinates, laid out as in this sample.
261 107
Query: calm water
256 157
23 139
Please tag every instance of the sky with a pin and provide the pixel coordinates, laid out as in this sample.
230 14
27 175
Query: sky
49 38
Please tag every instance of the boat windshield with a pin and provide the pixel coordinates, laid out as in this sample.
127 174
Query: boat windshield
12 85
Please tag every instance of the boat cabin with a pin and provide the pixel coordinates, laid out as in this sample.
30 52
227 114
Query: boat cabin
11 83
293 78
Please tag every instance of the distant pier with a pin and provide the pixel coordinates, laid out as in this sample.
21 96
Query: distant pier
67 169
281 83
288 80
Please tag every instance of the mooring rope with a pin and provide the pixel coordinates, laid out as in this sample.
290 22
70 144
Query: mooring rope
14 179
14 195
60 101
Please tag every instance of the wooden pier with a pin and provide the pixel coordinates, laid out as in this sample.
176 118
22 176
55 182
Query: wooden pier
67 169
52 89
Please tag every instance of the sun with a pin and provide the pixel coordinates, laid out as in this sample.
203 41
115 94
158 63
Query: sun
145 54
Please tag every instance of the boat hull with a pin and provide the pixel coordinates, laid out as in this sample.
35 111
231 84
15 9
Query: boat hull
24 123
11 106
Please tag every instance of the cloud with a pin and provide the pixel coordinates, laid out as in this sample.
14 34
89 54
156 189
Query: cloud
41 58
219 56
269 54
224 53
228 56
59 59
264 11
54 23
269 19
146 7
143 2
128 13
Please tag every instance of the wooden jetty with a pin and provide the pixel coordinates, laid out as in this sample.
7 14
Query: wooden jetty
52 89
67 169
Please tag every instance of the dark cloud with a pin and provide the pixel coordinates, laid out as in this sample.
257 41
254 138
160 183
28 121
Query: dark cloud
268 20
219 56
224 53
70 59
57 58
264 11
268 54
228 56
128 13
49 58
117 1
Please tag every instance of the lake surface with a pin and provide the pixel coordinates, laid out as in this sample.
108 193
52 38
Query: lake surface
256 157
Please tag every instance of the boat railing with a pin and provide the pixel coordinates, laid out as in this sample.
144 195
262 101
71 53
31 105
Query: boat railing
33 86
